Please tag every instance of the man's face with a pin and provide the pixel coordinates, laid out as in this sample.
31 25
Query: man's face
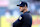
22 8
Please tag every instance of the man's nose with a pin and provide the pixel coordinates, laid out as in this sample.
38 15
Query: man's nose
19 8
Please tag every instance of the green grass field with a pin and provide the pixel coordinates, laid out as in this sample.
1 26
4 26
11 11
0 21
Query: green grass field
7 23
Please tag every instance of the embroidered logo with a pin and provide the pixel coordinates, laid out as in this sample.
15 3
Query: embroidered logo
20 2
20 18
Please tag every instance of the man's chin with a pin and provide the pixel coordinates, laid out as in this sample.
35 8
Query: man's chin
21 11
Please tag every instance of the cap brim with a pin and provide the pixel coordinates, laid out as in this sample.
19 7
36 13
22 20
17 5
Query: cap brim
18 5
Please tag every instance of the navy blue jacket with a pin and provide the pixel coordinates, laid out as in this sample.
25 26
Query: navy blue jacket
25 20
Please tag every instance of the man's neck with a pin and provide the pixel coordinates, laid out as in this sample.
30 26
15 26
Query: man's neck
25 10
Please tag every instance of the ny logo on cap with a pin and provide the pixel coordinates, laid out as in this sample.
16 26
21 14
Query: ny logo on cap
20 2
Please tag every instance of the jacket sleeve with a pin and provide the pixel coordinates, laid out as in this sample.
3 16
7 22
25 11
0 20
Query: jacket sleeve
27 21
16 23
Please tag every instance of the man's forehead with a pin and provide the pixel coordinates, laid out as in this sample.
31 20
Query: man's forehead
20 6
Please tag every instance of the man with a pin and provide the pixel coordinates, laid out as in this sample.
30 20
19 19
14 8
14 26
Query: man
25 20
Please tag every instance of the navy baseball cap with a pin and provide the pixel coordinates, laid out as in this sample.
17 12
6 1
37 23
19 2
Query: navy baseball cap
22 4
